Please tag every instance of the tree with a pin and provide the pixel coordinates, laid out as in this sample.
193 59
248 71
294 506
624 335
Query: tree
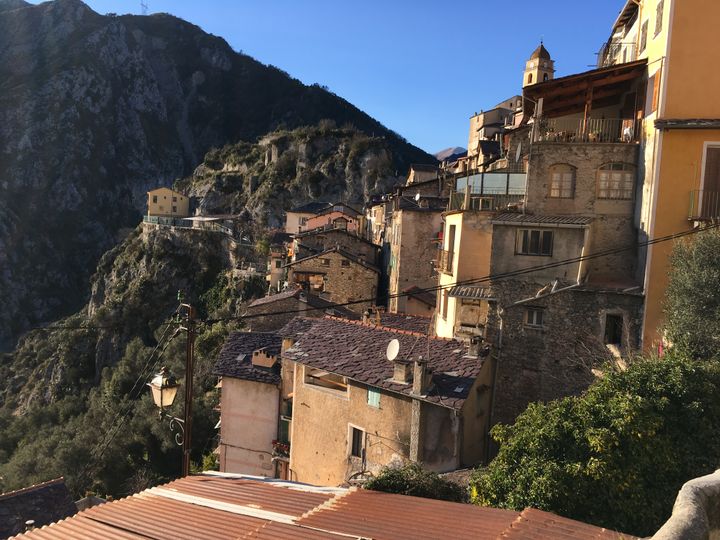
412 479
615 456
692 305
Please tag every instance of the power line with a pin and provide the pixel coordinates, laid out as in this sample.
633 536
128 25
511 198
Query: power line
483 279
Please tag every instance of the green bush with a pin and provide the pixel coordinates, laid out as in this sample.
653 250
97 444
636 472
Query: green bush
615 456
412 479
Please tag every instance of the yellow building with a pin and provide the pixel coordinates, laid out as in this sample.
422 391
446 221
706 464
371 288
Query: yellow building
681 130
167 203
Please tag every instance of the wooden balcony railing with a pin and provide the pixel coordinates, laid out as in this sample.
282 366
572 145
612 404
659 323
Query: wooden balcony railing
591 130
704 205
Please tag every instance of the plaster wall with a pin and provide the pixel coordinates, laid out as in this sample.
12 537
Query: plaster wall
249 413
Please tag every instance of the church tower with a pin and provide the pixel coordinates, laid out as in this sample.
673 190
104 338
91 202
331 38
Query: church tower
539 68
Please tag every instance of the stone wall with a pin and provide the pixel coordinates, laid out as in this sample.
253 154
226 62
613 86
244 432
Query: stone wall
613 226
556 359
411 252
342 283
350 242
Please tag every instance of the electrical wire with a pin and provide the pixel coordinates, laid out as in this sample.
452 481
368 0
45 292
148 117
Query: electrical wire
483 279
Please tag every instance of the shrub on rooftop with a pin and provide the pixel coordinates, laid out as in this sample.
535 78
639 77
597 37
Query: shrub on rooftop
412 479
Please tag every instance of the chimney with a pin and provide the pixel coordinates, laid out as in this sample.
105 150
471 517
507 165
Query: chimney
260 358
402 372
474 345
421 377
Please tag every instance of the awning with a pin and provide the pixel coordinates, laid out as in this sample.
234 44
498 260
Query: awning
471 292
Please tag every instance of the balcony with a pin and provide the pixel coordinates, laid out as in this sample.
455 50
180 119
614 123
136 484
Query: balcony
704 205
485 203
445 261
616 52
592 130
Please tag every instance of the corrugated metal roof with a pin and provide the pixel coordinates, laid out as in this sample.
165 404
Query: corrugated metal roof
474 292
513 218
217 506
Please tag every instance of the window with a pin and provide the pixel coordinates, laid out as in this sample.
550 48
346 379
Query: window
530 78
658 18
643 36
534 316
545 77
534 242
373 397
562 181
444 312
615 181
324 262
344 262
278 263
357 442
324 379
303 220
174 199
711 174
154 198
174 209
613 330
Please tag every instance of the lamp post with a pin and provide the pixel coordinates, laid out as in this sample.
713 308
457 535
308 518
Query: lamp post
164 388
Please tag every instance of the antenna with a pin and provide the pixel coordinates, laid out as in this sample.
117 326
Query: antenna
393 349
143 7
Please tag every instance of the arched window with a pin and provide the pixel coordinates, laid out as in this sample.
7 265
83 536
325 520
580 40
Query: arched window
616 181
530 78
562 181
545 77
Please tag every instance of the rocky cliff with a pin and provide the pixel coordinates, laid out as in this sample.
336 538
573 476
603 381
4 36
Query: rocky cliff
94 110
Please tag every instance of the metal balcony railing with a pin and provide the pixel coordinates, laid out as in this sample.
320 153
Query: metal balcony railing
616 52
704 205
592 130
445 261
485 203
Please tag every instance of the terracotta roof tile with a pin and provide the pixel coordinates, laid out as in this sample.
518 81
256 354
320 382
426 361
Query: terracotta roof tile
217 506
512 218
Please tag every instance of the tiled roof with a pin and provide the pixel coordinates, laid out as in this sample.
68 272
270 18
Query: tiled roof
512 218
539 525
426 204
334 230
43 503
218 506
339 207
473 292
687 123
295 328
422 295
358 351
311 300
235 359
310 208
350 256
401 321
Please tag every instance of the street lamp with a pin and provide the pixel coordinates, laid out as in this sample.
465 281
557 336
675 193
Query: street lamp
164 388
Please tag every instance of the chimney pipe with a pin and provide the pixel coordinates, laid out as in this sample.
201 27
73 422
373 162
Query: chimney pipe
420 377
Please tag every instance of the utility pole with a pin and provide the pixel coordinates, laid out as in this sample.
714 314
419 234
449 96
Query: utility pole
143 7
189 370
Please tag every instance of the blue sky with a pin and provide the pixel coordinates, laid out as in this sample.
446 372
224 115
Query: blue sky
421 67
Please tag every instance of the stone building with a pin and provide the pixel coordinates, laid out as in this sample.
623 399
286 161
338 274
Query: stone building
318 240
354 411
338 276
415 230
270 313
165 202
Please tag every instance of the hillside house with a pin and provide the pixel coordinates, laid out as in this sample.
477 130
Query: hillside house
270 313
165 202
354 411
316 241
420 172
337 216
296 218
249 371
338 276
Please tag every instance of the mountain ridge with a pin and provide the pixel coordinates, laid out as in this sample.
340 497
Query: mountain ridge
97 109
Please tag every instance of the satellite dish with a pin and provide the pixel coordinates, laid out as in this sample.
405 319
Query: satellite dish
393 349
517 152
417 196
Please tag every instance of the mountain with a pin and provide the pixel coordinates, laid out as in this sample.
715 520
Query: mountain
450 154
95 110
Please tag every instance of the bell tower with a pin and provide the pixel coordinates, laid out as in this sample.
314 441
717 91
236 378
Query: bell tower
539 67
